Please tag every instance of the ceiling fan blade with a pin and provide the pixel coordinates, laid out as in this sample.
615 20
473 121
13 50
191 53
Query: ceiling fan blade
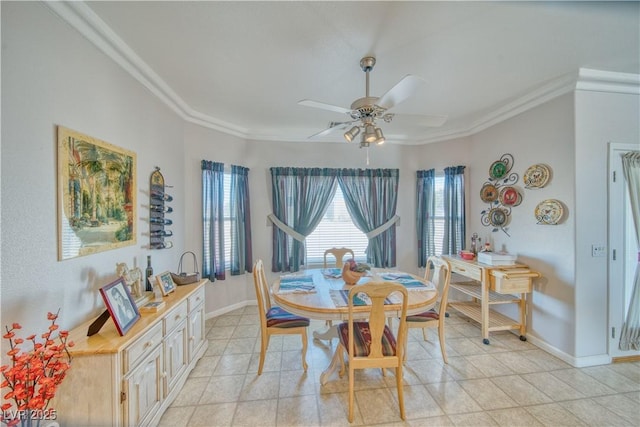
322 105
401 91
332 127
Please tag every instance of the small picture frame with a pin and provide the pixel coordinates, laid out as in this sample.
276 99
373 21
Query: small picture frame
165 282
121 306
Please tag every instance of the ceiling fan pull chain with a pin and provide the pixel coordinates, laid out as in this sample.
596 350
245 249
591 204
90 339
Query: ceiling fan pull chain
367 155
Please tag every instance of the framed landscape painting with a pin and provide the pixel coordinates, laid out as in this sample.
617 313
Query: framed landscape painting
96 195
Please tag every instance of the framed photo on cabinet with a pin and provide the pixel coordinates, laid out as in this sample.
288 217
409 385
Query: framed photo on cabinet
121 306
165 282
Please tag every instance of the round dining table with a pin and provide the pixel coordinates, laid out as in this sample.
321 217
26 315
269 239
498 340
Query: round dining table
321 296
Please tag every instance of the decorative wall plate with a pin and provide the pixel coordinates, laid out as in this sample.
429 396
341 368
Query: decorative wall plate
549 211
498 169
489 193
537 176
509 196
498 217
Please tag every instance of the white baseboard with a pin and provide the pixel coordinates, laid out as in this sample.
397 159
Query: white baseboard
230 308
576 362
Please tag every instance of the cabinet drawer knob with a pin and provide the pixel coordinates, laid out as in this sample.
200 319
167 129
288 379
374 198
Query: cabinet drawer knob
177 317
148 344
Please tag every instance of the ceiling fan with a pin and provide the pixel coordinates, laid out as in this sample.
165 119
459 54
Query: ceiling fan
364 112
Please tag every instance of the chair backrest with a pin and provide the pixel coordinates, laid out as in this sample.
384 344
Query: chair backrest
377 293
339 254
262 291
438 272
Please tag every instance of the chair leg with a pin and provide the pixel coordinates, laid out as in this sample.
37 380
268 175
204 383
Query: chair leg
442 343
351 393
400 390
304 349
264 344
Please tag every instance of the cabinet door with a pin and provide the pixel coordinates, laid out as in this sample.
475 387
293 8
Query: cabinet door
143 388
175 354
196 331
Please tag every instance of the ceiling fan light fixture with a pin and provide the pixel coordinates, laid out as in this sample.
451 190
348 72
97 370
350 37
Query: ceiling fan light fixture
369 134
351 133
380 139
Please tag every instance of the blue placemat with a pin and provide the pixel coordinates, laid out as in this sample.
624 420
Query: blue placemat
296 284
340 298
409 282
332 273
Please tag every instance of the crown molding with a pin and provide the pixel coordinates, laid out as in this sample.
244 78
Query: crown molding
80 17
608 81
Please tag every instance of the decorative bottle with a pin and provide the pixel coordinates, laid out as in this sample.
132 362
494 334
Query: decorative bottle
474 243
148 273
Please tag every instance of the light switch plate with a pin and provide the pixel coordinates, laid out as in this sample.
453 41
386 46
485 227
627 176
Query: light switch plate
598 250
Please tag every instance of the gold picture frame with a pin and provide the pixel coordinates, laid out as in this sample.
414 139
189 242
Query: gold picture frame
96 195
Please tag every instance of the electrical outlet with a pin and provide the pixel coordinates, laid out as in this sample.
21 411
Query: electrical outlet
598 250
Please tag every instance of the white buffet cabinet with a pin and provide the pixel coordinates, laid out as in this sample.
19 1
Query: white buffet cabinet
131 380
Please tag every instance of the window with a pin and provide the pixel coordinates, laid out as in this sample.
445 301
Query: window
335 229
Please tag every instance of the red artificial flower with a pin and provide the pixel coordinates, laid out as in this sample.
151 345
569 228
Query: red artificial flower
32 376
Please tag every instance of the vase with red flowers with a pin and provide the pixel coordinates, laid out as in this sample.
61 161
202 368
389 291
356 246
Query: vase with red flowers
31 379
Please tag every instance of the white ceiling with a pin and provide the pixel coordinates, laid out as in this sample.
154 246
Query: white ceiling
241 67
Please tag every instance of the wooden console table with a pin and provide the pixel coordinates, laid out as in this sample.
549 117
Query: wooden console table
490 285
131 380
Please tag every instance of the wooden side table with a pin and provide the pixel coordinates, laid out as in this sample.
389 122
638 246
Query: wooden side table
490 285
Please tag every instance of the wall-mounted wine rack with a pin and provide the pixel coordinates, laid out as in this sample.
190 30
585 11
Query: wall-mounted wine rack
158 210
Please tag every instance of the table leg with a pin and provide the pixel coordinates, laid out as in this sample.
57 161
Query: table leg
324 377
484 306
328 334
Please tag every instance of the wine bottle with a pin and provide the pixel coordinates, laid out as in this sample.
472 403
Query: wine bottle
161 195
160 208
161 233
162 221
148 273
162 245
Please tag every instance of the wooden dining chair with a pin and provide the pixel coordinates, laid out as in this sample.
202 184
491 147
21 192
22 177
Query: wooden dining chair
438 272
338 254
273 319
371 343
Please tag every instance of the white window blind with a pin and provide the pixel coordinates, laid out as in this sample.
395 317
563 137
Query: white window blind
439 214
227 220
335 230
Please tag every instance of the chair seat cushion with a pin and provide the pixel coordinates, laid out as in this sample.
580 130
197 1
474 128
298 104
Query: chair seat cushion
279 318
424 317
362 339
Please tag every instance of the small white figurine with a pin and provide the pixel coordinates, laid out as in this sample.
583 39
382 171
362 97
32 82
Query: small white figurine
132 278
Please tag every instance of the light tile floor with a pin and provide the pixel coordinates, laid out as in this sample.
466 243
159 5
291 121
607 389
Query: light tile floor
509 383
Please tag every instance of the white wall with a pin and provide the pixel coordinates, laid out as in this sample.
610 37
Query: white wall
600 118
542 135
52 76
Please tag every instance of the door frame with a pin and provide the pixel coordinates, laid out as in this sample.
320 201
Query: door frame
617 193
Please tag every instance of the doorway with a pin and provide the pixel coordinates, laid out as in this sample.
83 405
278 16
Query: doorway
622 248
